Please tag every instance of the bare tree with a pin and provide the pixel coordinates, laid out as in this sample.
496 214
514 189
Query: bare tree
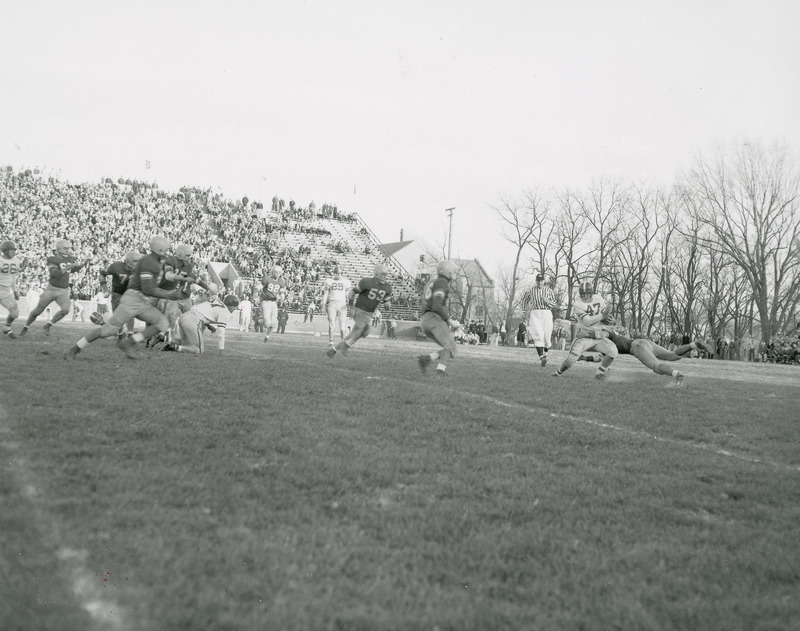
518 219
750 205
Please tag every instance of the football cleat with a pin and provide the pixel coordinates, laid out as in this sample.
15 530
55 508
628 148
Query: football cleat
266 339
128 346
11 335
677 382
71 353
544 360
423 361
24 331
441 373
601 375
556 374
46 328
330 352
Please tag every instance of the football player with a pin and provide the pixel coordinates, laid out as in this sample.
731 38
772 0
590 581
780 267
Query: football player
273 291
371 293
178 274
10 266
59 266
334 301
652 355
214 315
143 286
589 312
435 319
120 272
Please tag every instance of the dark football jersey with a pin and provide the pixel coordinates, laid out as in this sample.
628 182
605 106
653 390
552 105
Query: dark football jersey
440 287
622 343
58 267
119 276
174 264
371 293
149 266
272 288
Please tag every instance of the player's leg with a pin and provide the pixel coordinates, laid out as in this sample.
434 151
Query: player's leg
191 334
576 349
332 312
64 303
547 333
440 332
48 295
12 306
125 309
609 351
652 355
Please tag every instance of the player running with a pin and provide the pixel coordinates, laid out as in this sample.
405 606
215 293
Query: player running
334 301
273 290
436 320
120 272
10 266
59 266
371 293
590 311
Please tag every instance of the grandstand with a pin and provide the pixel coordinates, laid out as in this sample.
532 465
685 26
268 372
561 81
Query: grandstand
105 219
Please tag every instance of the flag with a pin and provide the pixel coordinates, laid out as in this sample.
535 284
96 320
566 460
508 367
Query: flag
147 164
354 189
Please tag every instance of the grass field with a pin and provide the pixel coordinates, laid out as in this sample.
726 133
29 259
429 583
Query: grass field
273 488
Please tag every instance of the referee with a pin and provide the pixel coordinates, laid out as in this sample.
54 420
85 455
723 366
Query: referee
539 301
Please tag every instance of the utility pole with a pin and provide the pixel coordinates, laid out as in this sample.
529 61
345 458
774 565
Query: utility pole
449 211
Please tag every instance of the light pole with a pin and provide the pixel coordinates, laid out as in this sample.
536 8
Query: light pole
449 211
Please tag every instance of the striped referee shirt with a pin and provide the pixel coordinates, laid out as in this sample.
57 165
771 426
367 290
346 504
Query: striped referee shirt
538 298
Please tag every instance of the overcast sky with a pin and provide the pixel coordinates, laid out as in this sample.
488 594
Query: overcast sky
416 106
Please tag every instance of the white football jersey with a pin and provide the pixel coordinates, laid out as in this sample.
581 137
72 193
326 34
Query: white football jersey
337 288
583 308
8 271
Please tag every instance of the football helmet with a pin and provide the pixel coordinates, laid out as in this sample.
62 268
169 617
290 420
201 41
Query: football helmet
63 247
213 289
230 301
276 271
446 269
8 248
184 253
381 273
586 290
131 258
160 245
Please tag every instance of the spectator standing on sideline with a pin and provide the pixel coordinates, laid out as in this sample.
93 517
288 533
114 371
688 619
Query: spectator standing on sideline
283 317
245 313
539 301
371 292
521 334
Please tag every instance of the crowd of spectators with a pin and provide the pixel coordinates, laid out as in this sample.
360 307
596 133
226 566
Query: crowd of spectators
106 219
